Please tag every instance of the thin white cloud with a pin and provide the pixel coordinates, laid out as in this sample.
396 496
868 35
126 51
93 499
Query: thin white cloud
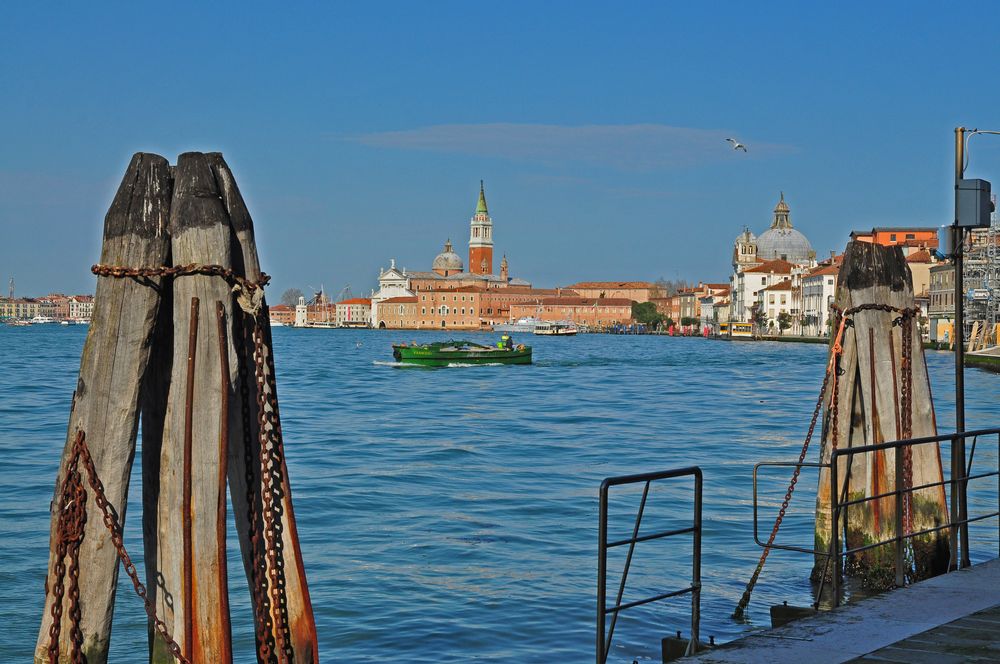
625 147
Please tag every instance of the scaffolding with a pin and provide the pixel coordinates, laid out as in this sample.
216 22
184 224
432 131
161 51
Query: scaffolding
982 284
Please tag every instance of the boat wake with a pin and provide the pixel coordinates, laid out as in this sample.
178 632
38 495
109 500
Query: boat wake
451 365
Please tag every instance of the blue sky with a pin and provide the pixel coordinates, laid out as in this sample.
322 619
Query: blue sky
359 131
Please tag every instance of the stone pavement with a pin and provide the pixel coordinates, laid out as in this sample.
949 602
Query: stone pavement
951 618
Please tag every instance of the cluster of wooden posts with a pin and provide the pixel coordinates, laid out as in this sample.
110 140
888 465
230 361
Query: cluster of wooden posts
187 354
881 392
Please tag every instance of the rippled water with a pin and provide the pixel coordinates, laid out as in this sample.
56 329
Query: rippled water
451 514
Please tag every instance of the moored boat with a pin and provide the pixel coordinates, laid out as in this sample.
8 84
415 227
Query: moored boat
444 353
524 324
556 328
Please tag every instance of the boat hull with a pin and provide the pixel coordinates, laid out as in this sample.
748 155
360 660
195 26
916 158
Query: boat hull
435 357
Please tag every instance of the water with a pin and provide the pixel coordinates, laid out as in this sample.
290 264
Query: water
449 515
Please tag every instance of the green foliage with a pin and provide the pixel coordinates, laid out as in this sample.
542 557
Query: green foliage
688 320
646 313
784 321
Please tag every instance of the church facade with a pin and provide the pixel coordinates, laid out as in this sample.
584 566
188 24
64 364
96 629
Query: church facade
767 269
448 271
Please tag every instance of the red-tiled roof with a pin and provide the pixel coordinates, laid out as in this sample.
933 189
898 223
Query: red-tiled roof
825 269
357 300
612 284
280 307
406 299
777 267
783 285
587 301
922 256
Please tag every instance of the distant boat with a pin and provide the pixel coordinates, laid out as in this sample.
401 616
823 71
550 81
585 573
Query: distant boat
445 353
562 328
42 320
276 323
19 322
525 324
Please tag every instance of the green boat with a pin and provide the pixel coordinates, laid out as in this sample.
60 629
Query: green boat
444 353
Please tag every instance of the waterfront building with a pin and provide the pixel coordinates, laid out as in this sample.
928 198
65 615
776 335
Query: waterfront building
714 308
282 313
595 313
60 304
355 312
910 238
81 307
637 291
24 308
759 262
448 272
781 300
941 307
399 313
819 288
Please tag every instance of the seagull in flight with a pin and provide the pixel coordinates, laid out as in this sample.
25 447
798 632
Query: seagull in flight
737 145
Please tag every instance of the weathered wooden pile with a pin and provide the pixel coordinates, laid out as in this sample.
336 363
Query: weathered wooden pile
179 340
879 391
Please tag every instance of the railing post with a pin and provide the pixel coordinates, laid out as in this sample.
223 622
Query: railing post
696 567
602 571
899 545
956 462
835 529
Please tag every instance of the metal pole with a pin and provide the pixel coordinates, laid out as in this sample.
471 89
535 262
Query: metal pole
835 529
958 449
694 644
602 570
900 577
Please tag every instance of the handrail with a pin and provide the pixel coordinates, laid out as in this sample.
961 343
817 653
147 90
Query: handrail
959 488
604 638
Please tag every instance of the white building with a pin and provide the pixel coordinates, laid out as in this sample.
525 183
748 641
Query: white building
819 288
81 307
356 312
391 283
779 253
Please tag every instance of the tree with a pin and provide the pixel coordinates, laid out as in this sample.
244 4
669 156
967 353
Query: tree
759 317
784 321
646 313
291 297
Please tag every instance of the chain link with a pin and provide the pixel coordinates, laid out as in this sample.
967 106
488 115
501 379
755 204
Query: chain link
833 370
69 534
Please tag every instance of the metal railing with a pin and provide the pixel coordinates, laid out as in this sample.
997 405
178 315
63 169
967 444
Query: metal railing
603 610
958 521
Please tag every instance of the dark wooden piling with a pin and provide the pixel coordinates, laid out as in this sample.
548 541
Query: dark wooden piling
199 618
299 613
872 407
106 401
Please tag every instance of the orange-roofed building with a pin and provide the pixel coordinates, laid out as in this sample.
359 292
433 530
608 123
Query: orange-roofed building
595 313
637 291
399 313
282 313
910 238
354 312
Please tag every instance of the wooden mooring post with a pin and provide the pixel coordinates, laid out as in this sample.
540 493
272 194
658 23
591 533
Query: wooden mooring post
181 334
879 391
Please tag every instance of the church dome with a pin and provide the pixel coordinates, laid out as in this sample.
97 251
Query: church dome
447 260
783 242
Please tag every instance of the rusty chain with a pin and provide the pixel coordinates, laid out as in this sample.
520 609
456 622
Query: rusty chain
120 272
833 369
70 533
274 642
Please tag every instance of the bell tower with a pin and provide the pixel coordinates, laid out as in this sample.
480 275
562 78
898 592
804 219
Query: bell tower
481 237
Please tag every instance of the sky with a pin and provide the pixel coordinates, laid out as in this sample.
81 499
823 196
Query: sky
359 132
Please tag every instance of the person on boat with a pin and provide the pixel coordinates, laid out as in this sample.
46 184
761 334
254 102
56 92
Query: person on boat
505 342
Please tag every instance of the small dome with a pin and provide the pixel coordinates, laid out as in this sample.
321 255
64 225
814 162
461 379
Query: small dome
447 260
